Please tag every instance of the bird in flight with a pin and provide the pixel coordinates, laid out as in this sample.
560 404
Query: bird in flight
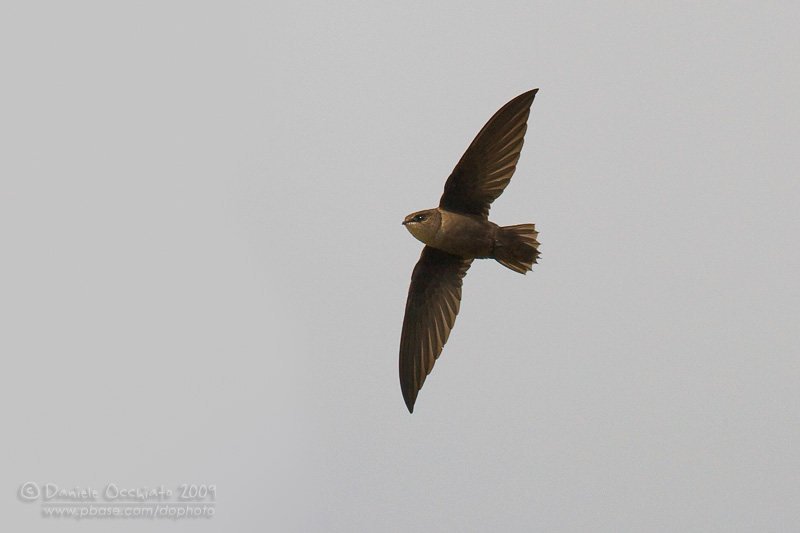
459 231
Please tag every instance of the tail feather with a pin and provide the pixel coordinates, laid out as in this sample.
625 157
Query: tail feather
517 247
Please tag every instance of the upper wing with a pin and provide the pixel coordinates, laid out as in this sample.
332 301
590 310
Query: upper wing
488 164
433 301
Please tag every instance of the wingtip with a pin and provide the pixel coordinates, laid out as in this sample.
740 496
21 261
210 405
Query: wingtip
410 400
527 96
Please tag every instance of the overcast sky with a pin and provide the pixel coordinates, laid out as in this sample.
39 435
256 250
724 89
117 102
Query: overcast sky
204 271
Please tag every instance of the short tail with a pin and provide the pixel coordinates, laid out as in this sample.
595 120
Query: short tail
517 247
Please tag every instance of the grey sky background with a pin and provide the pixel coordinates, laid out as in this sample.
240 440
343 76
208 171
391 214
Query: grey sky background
204 271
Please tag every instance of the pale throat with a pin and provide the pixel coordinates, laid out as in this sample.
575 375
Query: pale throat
422 232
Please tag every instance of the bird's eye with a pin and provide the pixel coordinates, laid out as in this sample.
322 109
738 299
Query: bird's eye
419 218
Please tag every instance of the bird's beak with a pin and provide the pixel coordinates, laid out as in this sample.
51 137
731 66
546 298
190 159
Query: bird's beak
405 222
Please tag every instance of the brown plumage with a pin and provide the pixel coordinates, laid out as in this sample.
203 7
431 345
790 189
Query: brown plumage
458 231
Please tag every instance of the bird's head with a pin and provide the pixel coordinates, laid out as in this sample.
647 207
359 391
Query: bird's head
424 225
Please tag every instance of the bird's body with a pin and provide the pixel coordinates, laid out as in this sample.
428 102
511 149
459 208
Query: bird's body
463 235
458 231
475 237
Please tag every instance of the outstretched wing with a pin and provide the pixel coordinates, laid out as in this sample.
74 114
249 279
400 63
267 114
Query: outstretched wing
488 164
433 301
